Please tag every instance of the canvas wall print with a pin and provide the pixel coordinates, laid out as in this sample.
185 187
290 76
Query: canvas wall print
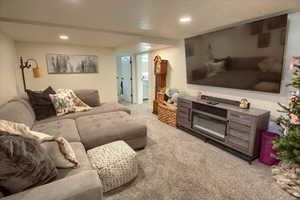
62 64
263 40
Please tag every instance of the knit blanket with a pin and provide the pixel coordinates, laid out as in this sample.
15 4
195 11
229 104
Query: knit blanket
23 130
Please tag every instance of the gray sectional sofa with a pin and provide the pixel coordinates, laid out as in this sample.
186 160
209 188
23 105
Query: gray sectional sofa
84 130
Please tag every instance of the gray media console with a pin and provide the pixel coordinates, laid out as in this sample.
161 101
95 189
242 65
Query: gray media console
223 124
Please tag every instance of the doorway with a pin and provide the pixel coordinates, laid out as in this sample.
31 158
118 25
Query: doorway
124 79
142 61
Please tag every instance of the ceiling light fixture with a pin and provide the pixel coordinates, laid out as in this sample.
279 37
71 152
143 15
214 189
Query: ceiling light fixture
185 19
63 37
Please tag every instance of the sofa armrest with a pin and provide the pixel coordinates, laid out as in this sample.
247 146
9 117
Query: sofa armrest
85 185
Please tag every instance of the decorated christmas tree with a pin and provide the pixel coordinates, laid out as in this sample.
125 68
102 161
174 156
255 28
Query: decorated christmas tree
288 145
287 173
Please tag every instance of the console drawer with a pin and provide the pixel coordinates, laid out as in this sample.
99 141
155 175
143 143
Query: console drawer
241 118
184 103
239 134
183 111
184 123
239 127
238 144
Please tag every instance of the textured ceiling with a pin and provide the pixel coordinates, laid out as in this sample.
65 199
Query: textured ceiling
121 21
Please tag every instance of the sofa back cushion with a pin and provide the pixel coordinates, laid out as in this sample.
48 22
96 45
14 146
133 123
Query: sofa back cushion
90 97
245 63
19 111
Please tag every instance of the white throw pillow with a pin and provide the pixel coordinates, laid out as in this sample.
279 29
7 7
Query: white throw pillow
270 65
215 67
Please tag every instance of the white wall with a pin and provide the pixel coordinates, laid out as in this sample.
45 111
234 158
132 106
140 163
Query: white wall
142 65
176 77
8 86
104 80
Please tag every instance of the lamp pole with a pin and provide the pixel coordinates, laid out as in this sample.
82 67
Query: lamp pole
27 65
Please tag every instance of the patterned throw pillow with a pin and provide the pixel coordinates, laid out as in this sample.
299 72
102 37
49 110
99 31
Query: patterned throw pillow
79 104
63 103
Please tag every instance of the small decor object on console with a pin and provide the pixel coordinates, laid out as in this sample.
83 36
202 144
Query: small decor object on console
287 173
199 96
244 104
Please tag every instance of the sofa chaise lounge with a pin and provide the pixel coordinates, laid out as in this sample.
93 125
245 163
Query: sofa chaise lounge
105 123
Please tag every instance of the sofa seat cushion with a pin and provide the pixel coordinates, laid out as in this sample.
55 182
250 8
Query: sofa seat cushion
83 162
104 108
96 130
65 128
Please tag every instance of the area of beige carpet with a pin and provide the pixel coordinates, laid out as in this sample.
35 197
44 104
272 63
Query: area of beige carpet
178 166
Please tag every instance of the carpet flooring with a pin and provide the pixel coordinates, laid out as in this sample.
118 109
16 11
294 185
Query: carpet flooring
178 166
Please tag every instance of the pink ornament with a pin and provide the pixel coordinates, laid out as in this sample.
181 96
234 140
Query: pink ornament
294 119
293 99
293 62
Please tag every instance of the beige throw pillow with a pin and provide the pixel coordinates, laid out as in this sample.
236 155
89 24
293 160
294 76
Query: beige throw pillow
215 67
63 149
270 65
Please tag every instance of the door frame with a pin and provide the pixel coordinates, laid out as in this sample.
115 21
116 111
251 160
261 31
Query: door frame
131 79
139 83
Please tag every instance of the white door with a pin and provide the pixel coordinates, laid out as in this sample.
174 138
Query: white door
143 77
124 79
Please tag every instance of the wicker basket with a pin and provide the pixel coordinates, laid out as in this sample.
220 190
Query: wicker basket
167 113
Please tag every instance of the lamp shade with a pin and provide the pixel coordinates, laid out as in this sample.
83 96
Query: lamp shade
37 72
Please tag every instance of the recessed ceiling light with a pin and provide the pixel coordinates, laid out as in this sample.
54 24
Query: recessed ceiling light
63 37
185 19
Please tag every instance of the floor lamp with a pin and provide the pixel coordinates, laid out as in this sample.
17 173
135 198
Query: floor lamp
37 72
